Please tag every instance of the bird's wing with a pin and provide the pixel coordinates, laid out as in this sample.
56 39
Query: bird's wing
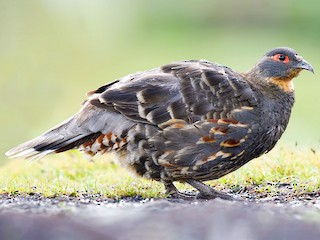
187 90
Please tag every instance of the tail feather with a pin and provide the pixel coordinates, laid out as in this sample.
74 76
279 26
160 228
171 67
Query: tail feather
63 137
43 145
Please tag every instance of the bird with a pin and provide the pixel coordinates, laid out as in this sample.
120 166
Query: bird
189 121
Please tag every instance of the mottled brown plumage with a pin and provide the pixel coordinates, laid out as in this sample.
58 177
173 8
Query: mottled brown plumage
189 121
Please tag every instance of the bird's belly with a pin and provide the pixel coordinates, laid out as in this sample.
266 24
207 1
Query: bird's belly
204 151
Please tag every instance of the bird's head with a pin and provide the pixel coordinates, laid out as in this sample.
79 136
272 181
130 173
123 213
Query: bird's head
279 66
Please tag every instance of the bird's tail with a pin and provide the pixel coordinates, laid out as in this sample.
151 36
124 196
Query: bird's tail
59 139
85 126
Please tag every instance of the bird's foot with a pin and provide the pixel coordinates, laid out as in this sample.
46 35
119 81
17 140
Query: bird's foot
207 192
183 196
172 192
218 194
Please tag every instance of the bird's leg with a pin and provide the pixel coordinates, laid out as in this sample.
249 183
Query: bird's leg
173 192
207 192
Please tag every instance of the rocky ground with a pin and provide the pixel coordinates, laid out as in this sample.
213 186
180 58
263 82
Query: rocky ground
94 217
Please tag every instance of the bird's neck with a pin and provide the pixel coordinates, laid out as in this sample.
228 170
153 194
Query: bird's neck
258 77
279 92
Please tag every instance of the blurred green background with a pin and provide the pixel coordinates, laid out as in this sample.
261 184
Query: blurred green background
53 51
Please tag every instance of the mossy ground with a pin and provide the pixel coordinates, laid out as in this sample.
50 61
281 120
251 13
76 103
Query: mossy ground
283 171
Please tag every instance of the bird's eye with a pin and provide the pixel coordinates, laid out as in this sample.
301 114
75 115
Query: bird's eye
281 58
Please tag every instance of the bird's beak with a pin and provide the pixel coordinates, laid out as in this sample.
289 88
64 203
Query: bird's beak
303 64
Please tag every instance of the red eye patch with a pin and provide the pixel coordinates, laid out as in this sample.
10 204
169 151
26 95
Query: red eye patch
281 58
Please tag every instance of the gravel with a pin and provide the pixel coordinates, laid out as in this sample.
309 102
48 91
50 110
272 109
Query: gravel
94 217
